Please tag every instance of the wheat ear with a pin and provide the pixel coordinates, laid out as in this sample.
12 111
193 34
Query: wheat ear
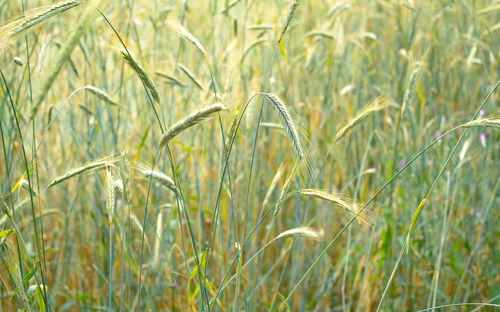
157 176
340 201
410 90
188 36
288 18
191 76
101 94
170 79
280 108
95 165
63 54
490 122
110 195
303 231
191 120
143 75
378 104
24 24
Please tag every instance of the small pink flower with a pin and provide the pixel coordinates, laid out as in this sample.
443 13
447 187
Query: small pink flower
118 202
481 113
478 214
429 162
401 164
443 119
437 134
482 139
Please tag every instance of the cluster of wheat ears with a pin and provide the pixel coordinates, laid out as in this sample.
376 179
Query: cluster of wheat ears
120 172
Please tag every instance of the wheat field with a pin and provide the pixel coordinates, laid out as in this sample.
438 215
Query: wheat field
249 155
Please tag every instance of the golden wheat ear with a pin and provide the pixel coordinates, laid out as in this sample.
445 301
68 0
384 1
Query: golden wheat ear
342 202
379 103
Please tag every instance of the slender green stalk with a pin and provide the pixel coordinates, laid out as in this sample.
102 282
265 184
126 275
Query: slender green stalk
427 197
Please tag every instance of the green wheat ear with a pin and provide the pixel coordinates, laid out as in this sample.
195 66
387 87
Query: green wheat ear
30 21
34 19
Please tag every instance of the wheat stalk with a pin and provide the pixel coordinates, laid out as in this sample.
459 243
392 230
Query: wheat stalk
143 75
191 120
280 108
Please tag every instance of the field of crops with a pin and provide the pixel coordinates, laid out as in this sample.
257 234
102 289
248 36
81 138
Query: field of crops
249 155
